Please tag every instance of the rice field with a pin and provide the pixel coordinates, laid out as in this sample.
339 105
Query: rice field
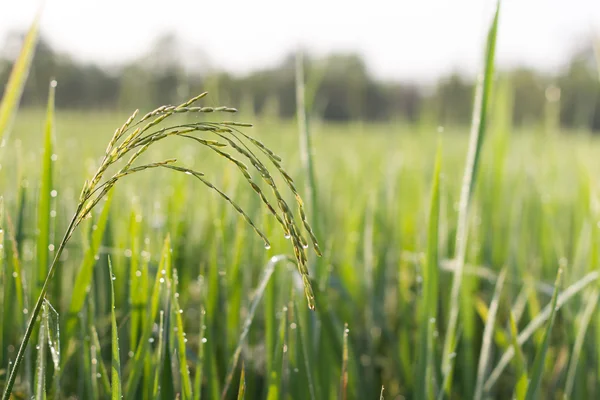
452 264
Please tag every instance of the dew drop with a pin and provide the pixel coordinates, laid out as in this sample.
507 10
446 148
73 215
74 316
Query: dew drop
267 246
53 214
25 311
287 236
204 340
138 273
185 340
176 295
54 157
293 325
53 193
162 280
51 247
53 83
15 275
128 253
114 278
164 272
180 311
305 246
98 375
151 340
347 330
188 173
130 354
37 347
96 257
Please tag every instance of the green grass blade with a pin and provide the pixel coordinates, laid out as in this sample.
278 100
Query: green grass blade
486 344
101 367
40 364
344 375
424 378
540 358
200 362
537 323
586 317
46 194
478 128
16 81
520 365
137 363
4 281
85 272
242 388
116 358
257 297
186 383
160 356
51 319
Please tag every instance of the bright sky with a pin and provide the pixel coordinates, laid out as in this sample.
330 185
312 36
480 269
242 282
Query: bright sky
408 39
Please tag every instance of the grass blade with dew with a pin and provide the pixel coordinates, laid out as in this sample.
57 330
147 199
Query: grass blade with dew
344 373
200 362
101 367
242 388
51 319
520 363
537 323
186 382
45 196
40 364
486 344
428 312
478 128
257 296
540 358
306 150
117 392
16 82
160 356
586 317
137 363
277 372
84 276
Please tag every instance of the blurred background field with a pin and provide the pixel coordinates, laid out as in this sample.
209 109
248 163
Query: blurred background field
535 209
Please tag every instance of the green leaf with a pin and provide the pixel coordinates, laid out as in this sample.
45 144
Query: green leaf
45 197
424 373
478 129
540 358
242 388
16 81
137 363
486 345
186 383
116 360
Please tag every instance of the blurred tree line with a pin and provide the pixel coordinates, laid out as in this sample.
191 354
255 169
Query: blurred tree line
340 84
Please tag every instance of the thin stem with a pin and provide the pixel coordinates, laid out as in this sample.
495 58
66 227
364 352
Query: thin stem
37 308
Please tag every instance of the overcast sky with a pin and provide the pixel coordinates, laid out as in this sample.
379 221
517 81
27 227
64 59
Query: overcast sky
406 39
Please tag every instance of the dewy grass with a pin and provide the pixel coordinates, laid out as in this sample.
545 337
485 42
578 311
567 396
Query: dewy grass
478 128
133 139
